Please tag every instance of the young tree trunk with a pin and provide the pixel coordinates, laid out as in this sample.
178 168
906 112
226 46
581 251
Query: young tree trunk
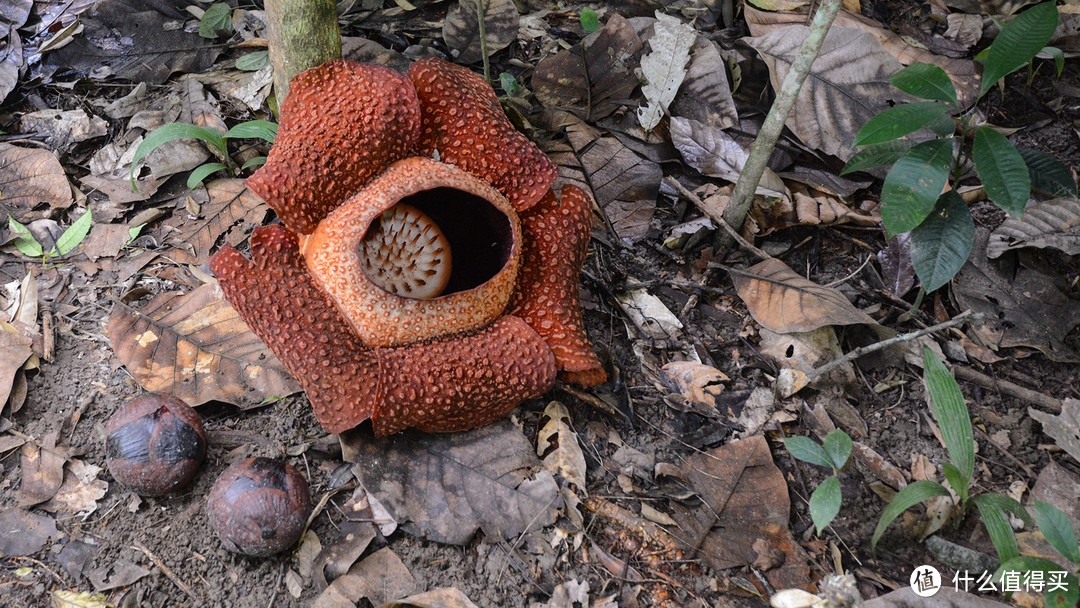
302 34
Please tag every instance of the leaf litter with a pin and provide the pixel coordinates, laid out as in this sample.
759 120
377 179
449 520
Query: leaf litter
521 494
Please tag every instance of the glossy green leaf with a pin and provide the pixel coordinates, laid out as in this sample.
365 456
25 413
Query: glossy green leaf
914 184
807 450
837 446
217 18
1058 530
825 503
256 161
925 81
908 496
1064 598
943 126
1055 598
956 481
24 241
941 244
1048 175
589 20
253 62
1019 41
201 172
171 132
997 525
74 234
899 121
1002 170
253 129
950 412
876 156
1052 52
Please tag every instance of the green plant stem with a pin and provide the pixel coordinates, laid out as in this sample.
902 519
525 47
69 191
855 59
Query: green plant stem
480 14
766 140
302 34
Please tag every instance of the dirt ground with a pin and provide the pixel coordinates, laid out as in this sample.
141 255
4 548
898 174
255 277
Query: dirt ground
170 537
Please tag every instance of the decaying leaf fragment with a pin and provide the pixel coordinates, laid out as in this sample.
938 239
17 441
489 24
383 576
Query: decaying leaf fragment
664 67
699 383
716 154
557 446
32 176
196 347
226 208
1064 428
1054 223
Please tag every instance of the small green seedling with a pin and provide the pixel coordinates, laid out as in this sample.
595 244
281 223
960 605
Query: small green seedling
1061 584
216 142
919 194
69 240
217 18
834 453
590 22
951 413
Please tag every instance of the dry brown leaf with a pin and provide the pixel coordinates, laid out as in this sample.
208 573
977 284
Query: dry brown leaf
557 446
23 532
1060 487
1054 223
623 184
15 349
806 350
106 240
62 128
79 493
946 597
705 95
717 154
783 301
746 499
196 347
1064 427
461 30
380 578
448 486
699 383
594 82
227 208
42 473
801 205
31 176
663 68
443 597
12 60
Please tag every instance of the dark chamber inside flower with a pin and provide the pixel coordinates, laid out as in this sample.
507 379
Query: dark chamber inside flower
479 236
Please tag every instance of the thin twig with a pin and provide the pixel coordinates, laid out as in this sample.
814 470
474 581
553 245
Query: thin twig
169 573
480 10
1044 402
959 319
717 218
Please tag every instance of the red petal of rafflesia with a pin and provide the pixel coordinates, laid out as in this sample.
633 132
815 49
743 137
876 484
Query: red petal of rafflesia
462 120
341 123
452 383
556 240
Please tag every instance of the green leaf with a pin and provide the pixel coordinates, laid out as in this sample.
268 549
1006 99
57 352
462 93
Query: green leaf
74 234
876 156
1048 175
925 81
951 413
252 129
956 481
253 62
171 132
200 173
1052 52
997 527
825 503
218 17
24 242
1025 564
1002 169
133 233
509 84
1018 42
909 496
899 121
253 162
807 450
941 244
1058 530
837 446
589 21
914 184
943 126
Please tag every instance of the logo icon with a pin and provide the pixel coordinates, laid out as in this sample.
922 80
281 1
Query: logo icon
925 581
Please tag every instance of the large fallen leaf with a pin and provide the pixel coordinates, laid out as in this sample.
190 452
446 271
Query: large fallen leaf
12 17
444 597
783 301
717 154
1054 223
24 532
705 95
196 347
61 128
461 30
745 501
380 578
663 68
124 40
962 72
1064 428
593 78
448 486
557 446
1027 307
623 184
30 177
226 208
847 85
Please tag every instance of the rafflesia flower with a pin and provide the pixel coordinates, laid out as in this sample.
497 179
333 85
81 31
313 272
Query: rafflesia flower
426 275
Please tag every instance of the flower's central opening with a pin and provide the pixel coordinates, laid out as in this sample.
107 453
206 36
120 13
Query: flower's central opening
435 243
